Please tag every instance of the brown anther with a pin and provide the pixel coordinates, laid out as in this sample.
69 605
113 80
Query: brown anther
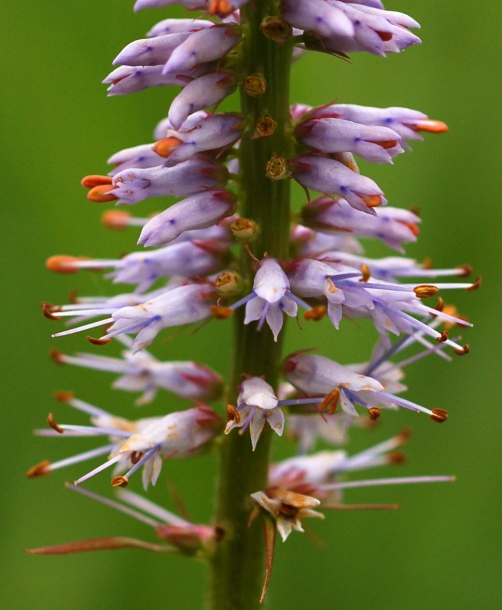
233 414
120 481
330 401
365 270
442 337
56 356
425 291
385 143
63 396
439 415
384 36
49 310
63 264
277 168
72 296
89 182
52 423
136 456
427 264
166 146
397 457
404 435
374 413
462 352
40 470
115 219
440 304
276 29
287 510
221 313
95 341
102 194
372 201
220 8
476 285
265 127
465 270
255 85
430 125
316 313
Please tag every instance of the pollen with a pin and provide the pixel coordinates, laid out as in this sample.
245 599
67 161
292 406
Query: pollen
120 481
52 423
102 193
430 125
90 182
221 313
425 291
115 219
372 201
63 264
439 415
49 310
475 285
316 313
374 413
166 146
40 470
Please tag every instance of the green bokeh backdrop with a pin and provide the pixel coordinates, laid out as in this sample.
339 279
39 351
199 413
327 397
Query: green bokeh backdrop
442 548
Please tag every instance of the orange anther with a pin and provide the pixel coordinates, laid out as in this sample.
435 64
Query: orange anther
102 193
374 413
62 263
372 201
95 341
120 481
430 125
166 146
52 423
475 285
221 313
221 8
115 219
385 143
365 270
316 313
40 470
425 291
63 396
89 182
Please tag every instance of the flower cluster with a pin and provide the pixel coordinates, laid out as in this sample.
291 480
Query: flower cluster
205 256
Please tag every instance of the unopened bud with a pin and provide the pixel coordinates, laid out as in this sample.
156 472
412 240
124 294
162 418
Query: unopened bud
228 284
265 127
255 85
244 229
276 29
277 168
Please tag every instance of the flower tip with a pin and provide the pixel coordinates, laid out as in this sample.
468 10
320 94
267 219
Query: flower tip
115 219
39 470
63 264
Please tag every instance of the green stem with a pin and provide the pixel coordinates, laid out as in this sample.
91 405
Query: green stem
236 568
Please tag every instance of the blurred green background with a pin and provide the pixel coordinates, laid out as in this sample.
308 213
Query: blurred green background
442 548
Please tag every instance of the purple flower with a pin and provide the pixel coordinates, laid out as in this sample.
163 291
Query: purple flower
198 211
333 178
